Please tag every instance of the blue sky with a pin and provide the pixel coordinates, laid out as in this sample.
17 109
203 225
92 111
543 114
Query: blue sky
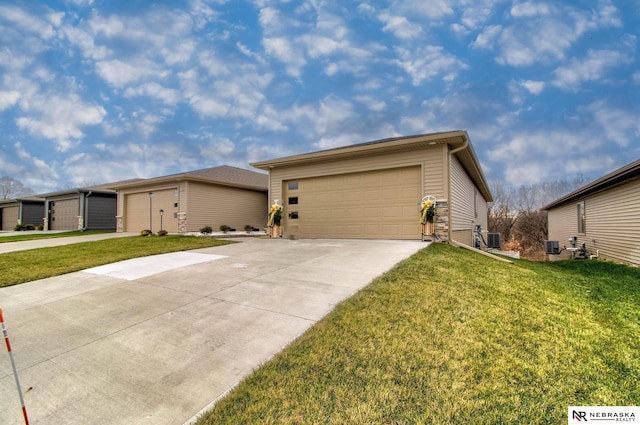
95 91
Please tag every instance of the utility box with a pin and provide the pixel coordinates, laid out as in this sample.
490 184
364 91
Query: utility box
552 247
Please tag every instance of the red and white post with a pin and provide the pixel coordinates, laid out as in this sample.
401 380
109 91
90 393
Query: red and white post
13 365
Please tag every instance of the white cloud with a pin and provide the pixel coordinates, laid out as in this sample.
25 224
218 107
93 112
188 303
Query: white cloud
488 37
372 103
544 32
592 68
8 99
33 172
533 87
429 62
400 26
220 150
60 118
282 49
119 73
530 8
619 126
154 91
30 23
432 9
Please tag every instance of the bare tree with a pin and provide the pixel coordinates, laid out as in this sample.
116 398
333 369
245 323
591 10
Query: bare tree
502 211
515 213
530 231
11 188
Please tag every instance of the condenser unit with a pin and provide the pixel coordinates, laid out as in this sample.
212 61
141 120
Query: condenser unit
552 247
493 240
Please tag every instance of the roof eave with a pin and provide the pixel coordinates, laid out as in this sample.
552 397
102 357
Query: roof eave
454 139
184 177
619 176
369 147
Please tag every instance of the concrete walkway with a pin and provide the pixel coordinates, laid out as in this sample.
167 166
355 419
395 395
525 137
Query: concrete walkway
46 243
158 340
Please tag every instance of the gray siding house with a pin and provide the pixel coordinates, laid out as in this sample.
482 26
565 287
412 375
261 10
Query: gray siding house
604 215
80 209
28 210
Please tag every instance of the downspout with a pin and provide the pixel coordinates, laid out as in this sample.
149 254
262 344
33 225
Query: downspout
85 215
464 146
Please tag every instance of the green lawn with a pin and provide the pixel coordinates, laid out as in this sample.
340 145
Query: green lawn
449 336
50 235
25 266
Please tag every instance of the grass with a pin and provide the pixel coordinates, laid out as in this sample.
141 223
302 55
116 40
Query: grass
449 336
49 235
25 266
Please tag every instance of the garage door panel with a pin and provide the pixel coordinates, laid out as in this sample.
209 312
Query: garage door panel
64 214
10 217
140 212
377 204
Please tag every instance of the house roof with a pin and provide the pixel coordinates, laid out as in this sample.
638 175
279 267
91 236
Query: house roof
223 175
28 199
454 139
621 175
73 191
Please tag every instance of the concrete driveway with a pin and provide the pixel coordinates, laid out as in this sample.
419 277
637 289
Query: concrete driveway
157 340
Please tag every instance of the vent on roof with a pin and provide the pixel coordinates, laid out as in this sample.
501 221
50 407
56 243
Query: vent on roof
552 247
493 240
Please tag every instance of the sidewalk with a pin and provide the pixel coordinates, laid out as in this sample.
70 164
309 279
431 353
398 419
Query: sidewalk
46 243
157 340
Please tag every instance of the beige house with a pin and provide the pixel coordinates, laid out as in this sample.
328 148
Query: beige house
187 202
374 190
604 215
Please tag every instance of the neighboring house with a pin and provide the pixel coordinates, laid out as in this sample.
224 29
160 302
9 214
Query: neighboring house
192 200
28 210
90 208
604 215
373 190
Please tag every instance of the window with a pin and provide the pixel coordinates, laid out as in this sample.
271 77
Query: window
582 218
292 185
293 200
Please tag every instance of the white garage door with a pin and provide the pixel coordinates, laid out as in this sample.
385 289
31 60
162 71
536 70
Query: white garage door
10 217
64 214
374 204
144 213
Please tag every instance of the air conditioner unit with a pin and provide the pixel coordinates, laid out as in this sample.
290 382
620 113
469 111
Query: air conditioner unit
552 247
493 240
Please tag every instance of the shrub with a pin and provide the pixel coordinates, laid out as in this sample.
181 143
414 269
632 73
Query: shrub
248 228
163 233
206 230
146 232
21 227
40 226
224 228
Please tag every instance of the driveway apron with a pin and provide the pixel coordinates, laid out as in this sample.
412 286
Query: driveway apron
159 339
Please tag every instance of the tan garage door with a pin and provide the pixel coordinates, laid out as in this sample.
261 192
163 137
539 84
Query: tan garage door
64 214
10 217
374 204
140 213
